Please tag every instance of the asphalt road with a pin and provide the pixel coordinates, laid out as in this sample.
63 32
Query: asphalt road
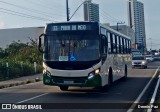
121 93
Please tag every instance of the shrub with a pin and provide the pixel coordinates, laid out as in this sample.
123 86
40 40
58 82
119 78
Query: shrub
17 69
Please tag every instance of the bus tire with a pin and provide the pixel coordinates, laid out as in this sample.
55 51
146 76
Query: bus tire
125 72
64 88
110 77
105 88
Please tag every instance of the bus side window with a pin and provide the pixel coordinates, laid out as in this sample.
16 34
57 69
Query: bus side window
114 44
117 44
129 46
104 45
124 46
125 41
111 38
109 42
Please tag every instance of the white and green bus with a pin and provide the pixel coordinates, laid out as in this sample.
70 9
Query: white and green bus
83 54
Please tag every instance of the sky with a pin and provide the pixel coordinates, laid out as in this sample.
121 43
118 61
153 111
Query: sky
31 13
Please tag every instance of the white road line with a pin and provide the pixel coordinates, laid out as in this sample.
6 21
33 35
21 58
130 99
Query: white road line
154 94
144 90
32 98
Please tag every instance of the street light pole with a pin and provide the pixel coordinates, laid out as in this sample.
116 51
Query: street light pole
143 44
151 43
67 10
76 10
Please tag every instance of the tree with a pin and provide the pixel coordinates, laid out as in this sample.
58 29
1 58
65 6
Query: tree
17 51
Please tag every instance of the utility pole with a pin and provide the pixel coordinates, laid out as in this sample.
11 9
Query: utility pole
151 43
67 9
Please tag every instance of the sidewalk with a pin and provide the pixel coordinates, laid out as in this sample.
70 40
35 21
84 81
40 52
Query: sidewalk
21 81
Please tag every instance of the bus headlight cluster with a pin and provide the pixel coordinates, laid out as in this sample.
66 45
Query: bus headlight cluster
45 71
92 74
97 71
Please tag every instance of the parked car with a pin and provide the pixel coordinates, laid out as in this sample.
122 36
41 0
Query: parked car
139 61
149 58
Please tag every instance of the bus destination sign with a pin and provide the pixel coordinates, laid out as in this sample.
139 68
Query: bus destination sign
70 27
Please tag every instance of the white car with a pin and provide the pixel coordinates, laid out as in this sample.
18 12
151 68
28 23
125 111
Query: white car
149 58
139 61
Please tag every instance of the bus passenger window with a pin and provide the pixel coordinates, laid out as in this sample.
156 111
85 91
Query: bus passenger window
109 42
117 44
114 44
111 38
120 51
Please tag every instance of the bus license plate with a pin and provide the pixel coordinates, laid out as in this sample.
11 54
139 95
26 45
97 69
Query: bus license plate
68 82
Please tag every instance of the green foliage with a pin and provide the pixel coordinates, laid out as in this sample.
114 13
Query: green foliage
2 53
20 57
22 52
17 69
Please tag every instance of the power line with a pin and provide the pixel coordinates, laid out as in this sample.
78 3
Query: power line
22 14
18 15
51 5
109 16
28 9
43 5
76 10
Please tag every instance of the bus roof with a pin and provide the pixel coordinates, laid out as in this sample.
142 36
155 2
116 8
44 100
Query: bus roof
114 31
65 22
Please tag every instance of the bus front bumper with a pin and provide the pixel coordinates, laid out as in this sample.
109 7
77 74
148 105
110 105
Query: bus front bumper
94 81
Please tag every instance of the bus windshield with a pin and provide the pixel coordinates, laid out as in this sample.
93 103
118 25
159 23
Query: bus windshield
71 47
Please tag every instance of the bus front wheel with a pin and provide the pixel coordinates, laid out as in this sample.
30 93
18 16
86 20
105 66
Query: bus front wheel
110 77
64 88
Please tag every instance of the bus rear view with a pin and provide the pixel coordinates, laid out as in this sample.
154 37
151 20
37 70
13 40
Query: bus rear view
71 54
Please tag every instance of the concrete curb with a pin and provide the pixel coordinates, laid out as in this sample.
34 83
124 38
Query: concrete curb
17 83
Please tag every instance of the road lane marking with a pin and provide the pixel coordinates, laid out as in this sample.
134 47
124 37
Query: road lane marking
144 90
32 98
154 94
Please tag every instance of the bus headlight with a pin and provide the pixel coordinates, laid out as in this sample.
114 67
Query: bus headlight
97 71
143 62
92 74
45 71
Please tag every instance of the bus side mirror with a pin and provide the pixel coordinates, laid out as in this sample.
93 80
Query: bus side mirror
40 43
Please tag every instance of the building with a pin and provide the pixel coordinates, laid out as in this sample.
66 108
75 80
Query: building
126 30
137 22
91 11
23 35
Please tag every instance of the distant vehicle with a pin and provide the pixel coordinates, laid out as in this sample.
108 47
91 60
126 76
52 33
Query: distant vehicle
139 61
157 53
83 54
149 58
157 57
136 52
